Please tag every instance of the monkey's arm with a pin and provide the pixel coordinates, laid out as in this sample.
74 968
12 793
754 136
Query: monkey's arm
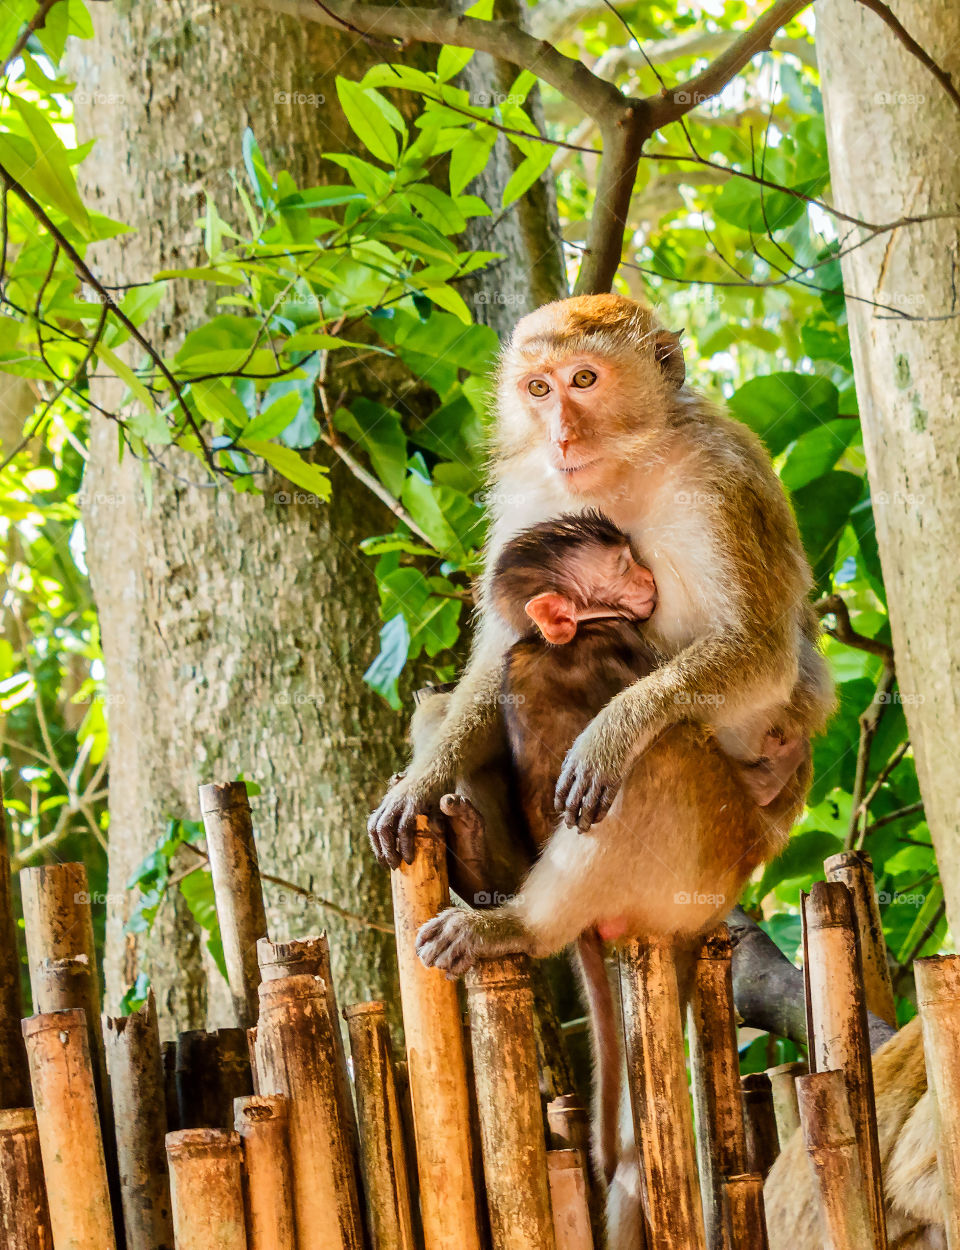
462 738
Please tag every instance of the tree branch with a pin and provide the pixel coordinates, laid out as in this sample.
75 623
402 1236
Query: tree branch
833 605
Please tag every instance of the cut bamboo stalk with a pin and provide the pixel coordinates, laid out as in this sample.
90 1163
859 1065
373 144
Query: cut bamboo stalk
476 1145
658 1095
264 1127
311 955
568 1199
14 1070
745 1223
855 870
938 1001
206 1188
759 1122
198 1080
381 1132
402 1077
831 1144
568 1128
252 1052
234 1075
783 1084
838 1014
296 1058
715 1069
140 1113
225 811
436 1063
69 1129
508 1103
168 1053
24 1218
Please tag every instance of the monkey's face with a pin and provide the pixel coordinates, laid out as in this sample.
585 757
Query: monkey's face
600 581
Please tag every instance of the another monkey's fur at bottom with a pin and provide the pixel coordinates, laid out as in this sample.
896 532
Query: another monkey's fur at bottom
681 838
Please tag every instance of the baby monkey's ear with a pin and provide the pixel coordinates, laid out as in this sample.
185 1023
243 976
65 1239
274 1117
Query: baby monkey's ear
554 616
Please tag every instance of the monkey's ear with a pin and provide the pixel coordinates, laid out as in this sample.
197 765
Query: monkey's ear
554 616
669 356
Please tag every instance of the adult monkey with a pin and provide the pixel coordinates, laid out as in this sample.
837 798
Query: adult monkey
593 411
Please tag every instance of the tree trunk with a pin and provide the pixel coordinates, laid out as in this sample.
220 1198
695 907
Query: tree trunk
235 628
893 136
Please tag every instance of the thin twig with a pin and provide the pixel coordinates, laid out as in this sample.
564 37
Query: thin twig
833 605
35 23
910 810
886 14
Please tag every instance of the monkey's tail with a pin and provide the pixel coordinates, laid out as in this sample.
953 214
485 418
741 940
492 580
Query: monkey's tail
606 1051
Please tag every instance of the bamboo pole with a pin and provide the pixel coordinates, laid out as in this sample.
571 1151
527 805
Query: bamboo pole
14 1070
206 1189
838 1015
508 1102
197 1080
435 1055
855 870
381 1132
938 1001
69 1129
264 1127
831 1143
24 1218
744 1220
568 1200
168 1055
296 1058
715 1069
139 1104
783 1085
252 1053
759 1122
234 1074
476 1145
658 1094
225 811
568 1128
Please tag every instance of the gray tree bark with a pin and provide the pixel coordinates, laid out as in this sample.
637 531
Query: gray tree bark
894 140
235 629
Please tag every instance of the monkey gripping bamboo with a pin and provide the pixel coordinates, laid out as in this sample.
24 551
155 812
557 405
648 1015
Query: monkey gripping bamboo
938 1000
206 1187
263 1124
568 1198
832 1148
745 1225
839 1037
69 1131
715 1068
381 1131
658 1094
508 1102
14 1070
24 1219
225 811
435 1056
139 1102
855 870
296 1058
760 1122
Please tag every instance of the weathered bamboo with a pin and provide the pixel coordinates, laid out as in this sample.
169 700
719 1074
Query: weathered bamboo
783 1084
69 1129
264 1127
225 811
843 1193
168 1054
838 1014
198 1080
568 1128
436 1063
382 1146
252 1053
296 1058
234 1074
14 1070
140 1114
311 955
476 1145
759 1122
500 997
24 1218
206 1188
715 1069
568 1198
855 870
938 1001
658 1095
744 1222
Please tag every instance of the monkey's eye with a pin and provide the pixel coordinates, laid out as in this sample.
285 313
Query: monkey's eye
584 378
538 387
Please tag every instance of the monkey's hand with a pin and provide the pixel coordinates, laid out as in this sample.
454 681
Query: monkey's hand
592 774
450 941
393 826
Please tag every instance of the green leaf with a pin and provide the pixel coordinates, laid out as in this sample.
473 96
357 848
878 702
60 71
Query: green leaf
782 406
38 160
816 452
386 668
257 173
526 174
312 477
198 894
274 419
823 512
451 301
372 119
469 157
379 432
452 61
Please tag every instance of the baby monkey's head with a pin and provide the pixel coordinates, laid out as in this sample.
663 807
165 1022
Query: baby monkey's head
578 567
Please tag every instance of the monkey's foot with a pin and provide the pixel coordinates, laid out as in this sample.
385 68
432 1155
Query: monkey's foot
450 941
465 820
